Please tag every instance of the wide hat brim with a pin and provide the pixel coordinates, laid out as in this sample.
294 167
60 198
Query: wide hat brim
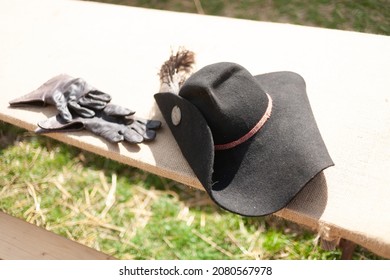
263 174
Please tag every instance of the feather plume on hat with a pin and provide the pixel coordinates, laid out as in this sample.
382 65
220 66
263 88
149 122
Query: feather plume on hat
176 70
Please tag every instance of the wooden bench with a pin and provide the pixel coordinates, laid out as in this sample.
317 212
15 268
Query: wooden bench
120 49
21 240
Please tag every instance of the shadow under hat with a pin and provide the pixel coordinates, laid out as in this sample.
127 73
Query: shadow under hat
252 141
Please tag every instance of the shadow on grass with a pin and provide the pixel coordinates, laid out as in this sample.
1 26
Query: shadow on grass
9 134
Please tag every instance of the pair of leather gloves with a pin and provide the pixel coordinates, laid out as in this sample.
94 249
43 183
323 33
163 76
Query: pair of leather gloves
81 106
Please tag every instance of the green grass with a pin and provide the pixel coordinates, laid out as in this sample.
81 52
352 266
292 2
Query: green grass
370 16
69 191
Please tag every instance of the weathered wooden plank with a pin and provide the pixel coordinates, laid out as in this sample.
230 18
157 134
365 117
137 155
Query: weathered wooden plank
20 240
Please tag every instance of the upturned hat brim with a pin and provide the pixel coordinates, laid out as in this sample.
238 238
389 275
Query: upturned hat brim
263 174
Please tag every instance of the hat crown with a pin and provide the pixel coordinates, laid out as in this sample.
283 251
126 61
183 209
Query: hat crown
230 99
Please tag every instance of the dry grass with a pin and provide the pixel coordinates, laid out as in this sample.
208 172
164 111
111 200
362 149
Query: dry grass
130 214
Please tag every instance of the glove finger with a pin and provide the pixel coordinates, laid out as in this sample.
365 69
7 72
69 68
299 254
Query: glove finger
109 131
92 103
153 124
149 124
149 135
132 136
142 129
99 95
113 132
81 111
64 111
118 111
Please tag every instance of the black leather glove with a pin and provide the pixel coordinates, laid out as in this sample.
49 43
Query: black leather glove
81 106
69 95
114 123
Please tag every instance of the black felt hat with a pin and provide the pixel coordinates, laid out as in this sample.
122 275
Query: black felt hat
252 141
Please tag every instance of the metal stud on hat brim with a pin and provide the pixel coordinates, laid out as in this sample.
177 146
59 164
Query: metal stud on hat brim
176 115
223 102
